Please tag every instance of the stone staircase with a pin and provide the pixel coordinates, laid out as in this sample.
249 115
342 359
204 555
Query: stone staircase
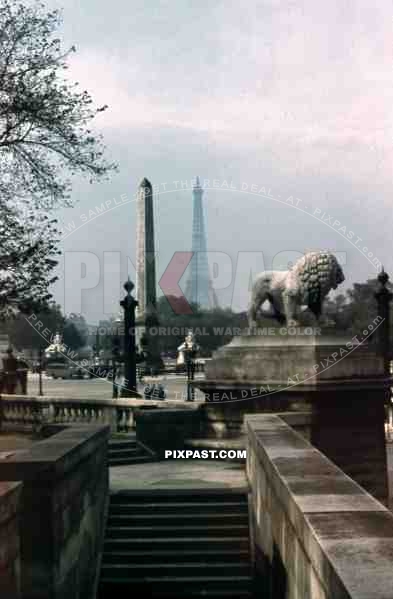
125 450
178 544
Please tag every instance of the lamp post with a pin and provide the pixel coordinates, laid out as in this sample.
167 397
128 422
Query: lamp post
145 353
190 349
129 304
384 297
97 346
40 390
116 343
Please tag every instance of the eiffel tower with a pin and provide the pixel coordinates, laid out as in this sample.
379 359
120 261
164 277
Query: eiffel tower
199 289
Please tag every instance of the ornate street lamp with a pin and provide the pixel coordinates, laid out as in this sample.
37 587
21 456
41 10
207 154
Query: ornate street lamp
190 350
40 365
384 297
129 304
116 354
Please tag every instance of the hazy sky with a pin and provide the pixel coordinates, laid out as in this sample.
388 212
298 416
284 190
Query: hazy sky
292 96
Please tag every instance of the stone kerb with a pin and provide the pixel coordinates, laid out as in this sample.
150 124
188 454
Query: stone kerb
321 535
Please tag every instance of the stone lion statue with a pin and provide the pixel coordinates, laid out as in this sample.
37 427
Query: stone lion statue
306 285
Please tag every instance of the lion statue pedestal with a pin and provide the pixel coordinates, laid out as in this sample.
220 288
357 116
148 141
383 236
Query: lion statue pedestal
339 382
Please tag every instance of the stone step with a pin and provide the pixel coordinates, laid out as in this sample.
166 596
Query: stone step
125 450
177 544
123 436
177 520
122 444
192 508
129 461
183 496
197 570
200 543
165 556
143 532
108 591
176 585
126 456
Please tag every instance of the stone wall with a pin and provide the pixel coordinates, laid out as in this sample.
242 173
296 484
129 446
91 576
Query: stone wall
62 511
316 534
9 540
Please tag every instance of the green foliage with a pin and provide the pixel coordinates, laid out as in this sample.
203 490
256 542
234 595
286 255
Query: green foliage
213 327
45 139
28 256
24 335
24 332
44 120
75 331
103 339
354 311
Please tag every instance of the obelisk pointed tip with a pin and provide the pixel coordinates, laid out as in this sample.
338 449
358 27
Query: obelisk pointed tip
145 183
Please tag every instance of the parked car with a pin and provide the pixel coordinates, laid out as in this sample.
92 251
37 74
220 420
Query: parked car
65 370
101 370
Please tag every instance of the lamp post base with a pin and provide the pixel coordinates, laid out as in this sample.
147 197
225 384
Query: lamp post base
130 394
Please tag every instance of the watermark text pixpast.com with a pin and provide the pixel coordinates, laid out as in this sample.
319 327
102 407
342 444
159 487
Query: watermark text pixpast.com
205 454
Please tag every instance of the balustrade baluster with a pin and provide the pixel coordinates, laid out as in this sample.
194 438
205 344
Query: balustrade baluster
129 420
120 421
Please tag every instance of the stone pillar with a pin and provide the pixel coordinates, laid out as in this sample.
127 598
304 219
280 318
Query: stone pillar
348 427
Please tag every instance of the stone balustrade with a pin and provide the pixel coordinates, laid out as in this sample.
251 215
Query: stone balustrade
19 412
316 533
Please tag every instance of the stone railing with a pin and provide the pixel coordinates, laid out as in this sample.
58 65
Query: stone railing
19 412
315 532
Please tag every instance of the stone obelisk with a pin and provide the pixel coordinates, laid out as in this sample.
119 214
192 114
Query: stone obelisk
145 254
146 312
